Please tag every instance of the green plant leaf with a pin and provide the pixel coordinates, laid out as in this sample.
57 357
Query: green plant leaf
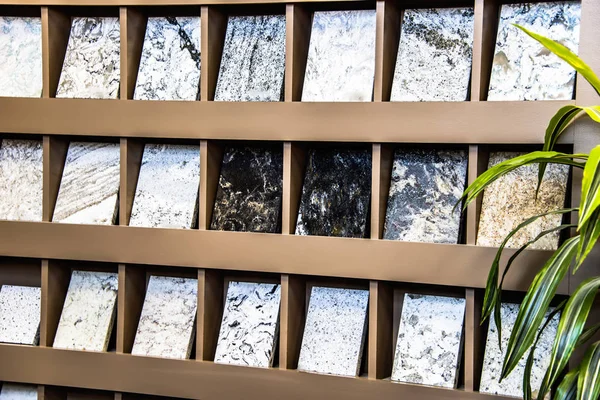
588 334
588 383
590 186
567 390
589 232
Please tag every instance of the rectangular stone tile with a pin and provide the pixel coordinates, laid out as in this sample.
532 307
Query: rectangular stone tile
20 311
18 391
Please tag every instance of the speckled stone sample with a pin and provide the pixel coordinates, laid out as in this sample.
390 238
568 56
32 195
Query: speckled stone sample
92 61
170 63
336 194
167 190
512 385
88 312
504 208
89 188
425 186
249 192
250 324
341 57
335 330
18 391
253 61
20 57
21 180
166 327
20 314
522 68
429 341
434 56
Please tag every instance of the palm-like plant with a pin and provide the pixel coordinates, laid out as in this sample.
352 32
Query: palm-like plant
582 382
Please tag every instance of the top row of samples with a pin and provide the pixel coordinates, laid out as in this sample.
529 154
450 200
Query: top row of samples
433 62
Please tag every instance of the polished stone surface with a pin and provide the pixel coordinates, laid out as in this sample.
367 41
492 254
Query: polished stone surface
523 69
18 391
20 312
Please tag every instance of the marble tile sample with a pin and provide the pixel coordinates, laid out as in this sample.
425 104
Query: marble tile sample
170 62
503 207
250 189
512 385
429 344
20 312
92 61
167 323
253 61
522 68
250 325
425 186
434 55
20 57
167 190
89 189
341 57
21 180
18 391
89 312
335 330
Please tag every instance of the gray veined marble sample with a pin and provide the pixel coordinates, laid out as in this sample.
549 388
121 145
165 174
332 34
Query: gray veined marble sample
250 324
503 207
522 68
335 330
20 311
89 312
92 61
166 195
253 61
429 341
20 57
341 57
21 180
425 186
89 188
18 391
434 55
167 323
170 63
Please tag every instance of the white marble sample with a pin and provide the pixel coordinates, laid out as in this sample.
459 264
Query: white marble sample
89 312
91 69
20 312
21 180
335 330
18 391
522 68
167 323
20 57
434 55
170 62
429 342
89 189
250 324
341 57
253 61
512 385
166 195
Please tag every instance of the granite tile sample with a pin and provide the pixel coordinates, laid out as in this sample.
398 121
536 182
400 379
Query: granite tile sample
425 186
92 61
170 63
253 61
18 391
512 385
89 188
250 325
20 57
341 57
89 312
522 68
429 342
434 55
20 312
167 190
336 193
504 208
21 180
250 189
167 323
335 330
